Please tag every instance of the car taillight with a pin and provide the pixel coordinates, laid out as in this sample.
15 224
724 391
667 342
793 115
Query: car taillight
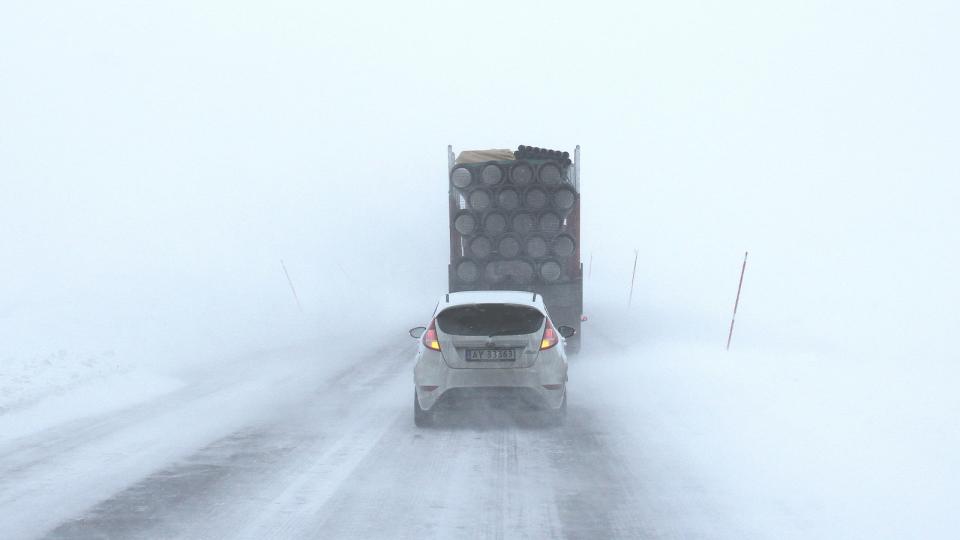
430 339
549 338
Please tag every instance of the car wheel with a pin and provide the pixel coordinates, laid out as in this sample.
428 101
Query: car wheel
421 417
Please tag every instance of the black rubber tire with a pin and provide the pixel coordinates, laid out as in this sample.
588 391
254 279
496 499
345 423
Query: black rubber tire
421 418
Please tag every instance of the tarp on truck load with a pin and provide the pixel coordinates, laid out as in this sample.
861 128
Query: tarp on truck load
481 156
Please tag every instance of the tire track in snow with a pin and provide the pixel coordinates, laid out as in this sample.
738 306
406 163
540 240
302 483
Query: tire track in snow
258 461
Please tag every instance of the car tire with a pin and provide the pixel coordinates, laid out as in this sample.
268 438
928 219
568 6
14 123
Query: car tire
421 418
557 416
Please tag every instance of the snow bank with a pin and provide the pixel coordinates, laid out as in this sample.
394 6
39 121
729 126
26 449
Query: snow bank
91 396
29 379
87 354
789 443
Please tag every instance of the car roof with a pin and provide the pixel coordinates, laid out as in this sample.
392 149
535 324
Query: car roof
524 298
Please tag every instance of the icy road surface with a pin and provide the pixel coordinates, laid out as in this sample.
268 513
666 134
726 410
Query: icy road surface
301 450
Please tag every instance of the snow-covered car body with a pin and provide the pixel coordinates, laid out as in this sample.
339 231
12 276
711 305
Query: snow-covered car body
490 339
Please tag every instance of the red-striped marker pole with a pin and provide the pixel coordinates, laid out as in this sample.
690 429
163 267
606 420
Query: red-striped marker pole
743 270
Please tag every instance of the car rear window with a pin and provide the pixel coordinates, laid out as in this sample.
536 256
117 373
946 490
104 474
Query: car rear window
490 319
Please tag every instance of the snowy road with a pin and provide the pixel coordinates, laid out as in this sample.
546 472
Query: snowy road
315 452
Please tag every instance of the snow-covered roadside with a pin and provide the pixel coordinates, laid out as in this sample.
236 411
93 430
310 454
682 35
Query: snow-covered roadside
39 391
92 397
790 443
26 380
50 349
64 362
78 358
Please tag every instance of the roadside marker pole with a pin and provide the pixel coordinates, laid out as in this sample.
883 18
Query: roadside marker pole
633 277
743 269
590 270
290 281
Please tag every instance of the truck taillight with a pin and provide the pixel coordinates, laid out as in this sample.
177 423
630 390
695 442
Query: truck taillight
430 339
549 338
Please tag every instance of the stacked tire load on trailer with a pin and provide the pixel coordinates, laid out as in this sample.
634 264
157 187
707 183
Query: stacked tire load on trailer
515 225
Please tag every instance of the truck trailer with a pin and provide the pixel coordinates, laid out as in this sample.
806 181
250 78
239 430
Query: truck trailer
515 225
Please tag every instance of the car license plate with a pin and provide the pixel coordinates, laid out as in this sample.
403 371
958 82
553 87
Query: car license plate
491 355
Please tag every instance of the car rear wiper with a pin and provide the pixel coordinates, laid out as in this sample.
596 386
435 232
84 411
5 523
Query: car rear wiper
504 333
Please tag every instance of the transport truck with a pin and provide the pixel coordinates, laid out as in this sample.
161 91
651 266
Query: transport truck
515 225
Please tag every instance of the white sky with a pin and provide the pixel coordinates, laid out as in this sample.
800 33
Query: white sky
179 149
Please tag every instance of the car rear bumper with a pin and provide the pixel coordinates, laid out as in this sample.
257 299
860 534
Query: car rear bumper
491 398
545 381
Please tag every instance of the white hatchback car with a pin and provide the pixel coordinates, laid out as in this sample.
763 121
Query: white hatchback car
490 342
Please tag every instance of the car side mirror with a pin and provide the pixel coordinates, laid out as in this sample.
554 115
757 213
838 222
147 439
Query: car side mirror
566 331
417 332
